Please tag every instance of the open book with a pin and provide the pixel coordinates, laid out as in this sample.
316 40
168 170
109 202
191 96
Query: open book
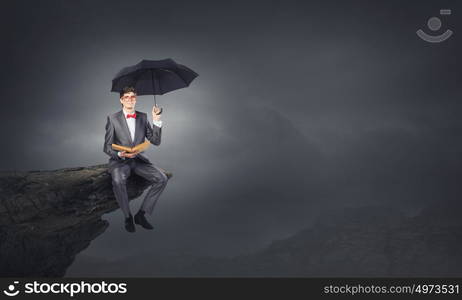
138 148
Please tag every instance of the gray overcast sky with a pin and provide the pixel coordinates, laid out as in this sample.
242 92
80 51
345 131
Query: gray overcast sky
299 105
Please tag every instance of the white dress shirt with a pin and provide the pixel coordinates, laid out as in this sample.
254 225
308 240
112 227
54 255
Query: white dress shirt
131 122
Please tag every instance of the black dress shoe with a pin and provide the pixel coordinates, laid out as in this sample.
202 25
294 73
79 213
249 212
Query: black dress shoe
141 220
129 225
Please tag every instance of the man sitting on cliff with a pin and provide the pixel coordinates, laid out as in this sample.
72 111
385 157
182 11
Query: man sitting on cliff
128 127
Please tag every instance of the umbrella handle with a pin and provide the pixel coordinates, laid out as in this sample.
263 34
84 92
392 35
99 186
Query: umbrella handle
155 104
154 93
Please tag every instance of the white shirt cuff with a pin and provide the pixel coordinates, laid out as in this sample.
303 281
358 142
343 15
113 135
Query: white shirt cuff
118 153
157 123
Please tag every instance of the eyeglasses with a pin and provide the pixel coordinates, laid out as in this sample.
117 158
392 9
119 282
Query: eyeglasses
129 97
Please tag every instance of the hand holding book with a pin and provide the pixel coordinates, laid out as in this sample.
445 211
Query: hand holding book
132 150
127 155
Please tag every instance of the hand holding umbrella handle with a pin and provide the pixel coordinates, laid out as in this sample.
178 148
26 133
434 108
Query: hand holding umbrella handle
157 110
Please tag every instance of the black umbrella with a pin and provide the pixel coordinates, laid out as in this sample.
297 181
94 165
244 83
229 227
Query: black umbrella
154 77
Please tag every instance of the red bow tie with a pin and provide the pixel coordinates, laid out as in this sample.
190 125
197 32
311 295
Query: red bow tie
131 116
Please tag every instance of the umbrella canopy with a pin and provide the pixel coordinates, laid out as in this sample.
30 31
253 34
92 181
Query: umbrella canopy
154 77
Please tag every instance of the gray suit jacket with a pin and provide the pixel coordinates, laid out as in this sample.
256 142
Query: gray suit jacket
117 132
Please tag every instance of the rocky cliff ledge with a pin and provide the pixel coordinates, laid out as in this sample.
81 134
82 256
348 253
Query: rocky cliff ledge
47 217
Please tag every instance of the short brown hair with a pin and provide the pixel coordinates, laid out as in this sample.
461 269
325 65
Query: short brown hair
127 89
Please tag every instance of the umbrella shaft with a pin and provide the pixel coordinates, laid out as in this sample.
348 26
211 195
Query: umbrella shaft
153 87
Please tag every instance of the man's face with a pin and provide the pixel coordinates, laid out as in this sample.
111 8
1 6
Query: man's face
128 100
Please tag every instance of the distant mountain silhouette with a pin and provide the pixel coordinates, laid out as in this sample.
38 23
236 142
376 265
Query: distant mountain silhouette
367 241
48 217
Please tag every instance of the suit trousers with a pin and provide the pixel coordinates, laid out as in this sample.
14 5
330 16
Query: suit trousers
122 171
